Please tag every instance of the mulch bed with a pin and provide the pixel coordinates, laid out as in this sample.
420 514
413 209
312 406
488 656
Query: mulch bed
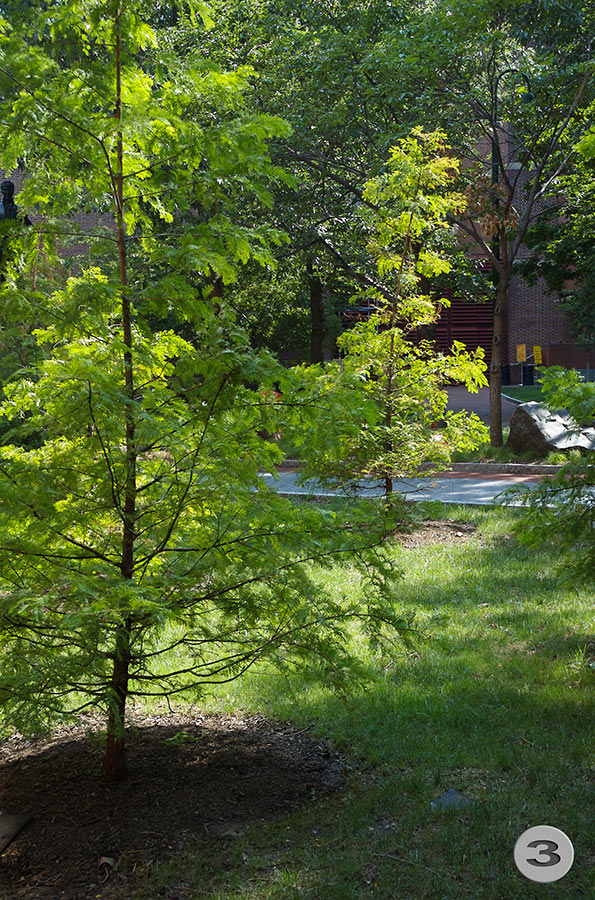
437 531
198 777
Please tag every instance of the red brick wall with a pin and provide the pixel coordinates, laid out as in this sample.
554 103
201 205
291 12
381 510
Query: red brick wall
534 318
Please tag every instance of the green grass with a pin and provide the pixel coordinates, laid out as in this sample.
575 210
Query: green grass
524 393
486 453
496 701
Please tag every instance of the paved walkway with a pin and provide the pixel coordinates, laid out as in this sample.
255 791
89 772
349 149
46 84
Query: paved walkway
448 488
459 398
471 488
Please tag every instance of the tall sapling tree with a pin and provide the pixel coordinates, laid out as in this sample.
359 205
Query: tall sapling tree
404 378
141 553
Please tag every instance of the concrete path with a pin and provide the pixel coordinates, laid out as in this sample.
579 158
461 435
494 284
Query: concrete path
460 398
452 488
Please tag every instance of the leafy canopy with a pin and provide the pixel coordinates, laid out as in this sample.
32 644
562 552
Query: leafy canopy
142 552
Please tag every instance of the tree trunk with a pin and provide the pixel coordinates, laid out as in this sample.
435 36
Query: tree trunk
388 478
500 311
217 291
114 760
316 316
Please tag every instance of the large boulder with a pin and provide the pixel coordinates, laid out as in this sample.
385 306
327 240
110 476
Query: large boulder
534 428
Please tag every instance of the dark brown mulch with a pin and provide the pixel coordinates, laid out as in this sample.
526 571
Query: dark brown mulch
191 777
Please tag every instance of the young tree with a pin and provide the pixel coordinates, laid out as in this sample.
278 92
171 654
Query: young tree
405 379
141 554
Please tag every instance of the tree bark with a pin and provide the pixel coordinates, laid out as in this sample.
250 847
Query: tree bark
115 767
316 315
388 478
114 761
217 290
500 312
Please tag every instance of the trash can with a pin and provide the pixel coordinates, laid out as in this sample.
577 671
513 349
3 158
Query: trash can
528 375
505 375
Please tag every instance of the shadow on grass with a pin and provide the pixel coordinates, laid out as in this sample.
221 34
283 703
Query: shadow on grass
490 705
519 755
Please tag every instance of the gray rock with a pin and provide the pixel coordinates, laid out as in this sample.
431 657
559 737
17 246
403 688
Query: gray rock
534 428
10 825
451 799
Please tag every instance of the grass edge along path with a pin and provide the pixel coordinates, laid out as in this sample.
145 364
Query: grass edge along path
523 393
497 702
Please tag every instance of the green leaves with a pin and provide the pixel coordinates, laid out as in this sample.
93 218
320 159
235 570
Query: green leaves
412 202
406 425
142 551
566 389
586 145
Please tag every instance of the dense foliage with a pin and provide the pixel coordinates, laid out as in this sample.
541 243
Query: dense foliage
565 256
202 178
141 552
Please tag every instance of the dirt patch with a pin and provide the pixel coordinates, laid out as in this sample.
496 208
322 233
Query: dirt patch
437 531
191 778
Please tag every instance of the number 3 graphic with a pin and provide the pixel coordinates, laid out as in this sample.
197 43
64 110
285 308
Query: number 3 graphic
543 853
550 851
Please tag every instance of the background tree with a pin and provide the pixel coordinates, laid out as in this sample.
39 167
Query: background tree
563 509
353 78
141 554
563 246
404 379
488 63
318 68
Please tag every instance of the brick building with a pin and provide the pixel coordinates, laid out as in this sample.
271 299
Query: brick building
534 317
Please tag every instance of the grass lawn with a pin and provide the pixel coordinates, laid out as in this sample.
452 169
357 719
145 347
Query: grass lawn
497 701
524 393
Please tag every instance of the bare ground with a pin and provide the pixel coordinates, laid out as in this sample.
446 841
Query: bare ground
191 778
437 531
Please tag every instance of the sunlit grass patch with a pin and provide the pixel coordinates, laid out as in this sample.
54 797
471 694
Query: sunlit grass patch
493 697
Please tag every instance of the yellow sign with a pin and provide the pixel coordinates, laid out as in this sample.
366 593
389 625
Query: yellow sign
537 355
521 353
